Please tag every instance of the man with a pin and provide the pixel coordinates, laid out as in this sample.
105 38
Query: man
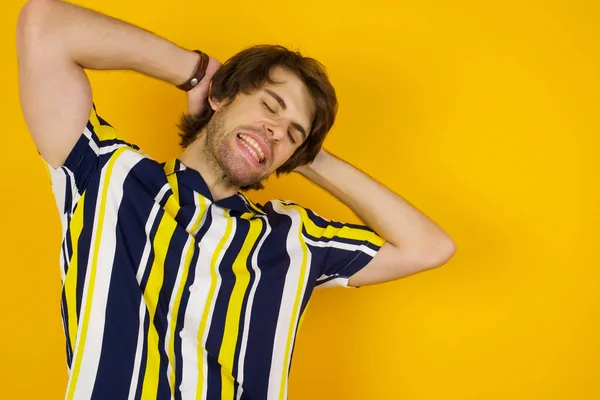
174 283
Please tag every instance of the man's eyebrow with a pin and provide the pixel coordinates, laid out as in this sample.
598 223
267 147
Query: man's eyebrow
281 102
278 98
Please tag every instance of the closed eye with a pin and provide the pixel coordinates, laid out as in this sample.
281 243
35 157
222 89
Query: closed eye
268 108
265 105
291 137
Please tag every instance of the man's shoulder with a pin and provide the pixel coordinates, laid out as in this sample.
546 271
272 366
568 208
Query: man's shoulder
276 208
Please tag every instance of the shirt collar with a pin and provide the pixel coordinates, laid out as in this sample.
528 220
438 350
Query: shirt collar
193 180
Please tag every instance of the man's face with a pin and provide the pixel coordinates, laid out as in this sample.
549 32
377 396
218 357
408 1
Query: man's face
255 134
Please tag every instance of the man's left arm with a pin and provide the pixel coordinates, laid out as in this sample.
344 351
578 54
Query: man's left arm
414 242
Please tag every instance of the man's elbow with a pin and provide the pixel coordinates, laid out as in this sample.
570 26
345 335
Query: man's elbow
31 24
445 253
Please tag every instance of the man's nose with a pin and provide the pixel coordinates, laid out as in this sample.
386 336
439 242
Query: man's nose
275 131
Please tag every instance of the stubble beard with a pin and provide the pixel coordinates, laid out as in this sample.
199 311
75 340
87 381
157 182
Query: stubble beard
223 159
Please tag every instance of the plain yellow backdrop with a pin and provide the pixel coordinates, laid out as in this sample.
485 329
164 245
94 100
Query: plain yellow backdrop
485 115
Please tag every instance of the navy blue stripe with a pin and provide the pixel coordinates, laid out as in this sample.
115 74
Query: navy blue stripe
213 381
68 192
122 323
65 319
243 321
172 262
305 298
187 208
274 263
217 326
163 201
68 243
144 360
101 120
148 267
164 389
85 239
185 297
323 223
65 254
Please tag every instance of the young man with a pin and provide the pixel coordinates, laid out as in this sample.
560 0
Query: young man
174 283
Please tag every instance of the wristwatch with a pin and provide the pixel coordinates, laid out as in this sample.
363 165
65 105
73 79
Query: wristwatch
199 73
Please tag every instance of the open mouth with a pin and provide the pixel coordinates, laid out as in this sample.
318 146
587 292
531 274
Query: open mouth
253 147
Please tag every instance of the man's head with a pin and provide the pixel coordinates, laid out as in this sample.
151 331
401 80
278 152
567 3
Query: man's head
269 110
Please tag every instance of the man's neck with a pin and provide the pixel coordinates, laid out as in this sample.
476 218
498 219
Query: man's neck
197 158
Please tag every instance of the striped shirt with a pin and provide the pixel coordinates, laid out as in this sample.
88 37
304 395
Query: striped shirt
170 294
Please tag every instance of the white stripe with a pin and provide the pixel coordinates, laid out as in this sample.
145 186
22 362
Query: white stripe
293 283
138 350
139 276
74 189
58 180
102 148
64 255
113 147
343 282
65 330
90 356
91 142
149 224
199 296
343 246
174 292
248 314
178 279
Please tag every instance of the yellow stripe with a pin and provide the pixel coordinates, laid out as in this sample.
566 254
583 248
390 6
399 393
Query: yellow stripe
92 281
172 205
177 302
75 228
94 118
160 245
346 232
211 294
104 132
234 310
196 225
297 302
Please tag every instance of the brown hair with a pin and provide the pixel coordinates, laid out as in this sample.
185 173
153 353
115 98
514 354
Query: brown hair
248 71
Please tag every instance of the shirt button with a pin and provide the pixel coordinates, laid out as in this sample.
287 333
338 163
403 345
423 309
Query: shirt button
182 334
193 288
182 388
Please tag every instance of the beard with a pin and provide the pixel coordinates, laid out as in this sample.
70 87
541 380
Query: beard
225 159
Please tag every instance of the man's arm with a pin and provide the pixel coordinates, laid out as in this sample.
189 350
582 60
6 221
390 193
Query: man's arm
414 243
55 42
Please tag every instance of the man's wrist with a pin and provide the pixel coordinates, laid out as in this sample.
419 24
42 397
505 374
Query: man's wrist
199 72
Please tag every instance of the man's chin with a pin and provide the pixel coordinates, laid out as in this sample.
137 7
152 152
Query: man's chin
246 182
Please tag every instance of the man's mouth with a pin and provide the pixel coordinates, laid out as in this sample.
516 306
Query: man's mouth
253 147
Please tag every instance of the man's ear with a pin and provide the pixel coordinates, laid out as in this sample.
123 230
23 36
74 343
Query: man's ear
214 103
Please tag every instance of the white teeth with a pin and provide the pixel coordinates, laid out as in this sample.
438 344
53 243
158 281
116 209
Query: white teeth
253 146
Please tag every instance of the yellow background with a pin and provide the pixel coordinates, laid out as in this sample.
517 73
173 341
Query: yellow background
483 114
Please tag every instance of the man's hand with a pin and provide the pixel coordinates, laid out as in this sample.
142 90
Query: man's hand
197 96
304 169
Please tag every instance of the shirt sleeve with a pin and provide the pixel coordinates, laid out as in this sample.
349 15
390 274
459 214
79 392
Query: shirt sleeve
340 249
96 145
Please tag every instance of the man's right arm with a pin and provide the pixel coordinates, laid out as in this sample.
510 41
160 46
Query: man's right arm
56 41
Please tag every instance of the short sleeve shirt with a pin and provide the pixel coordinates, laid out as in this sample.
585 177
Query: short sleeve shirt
170 294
